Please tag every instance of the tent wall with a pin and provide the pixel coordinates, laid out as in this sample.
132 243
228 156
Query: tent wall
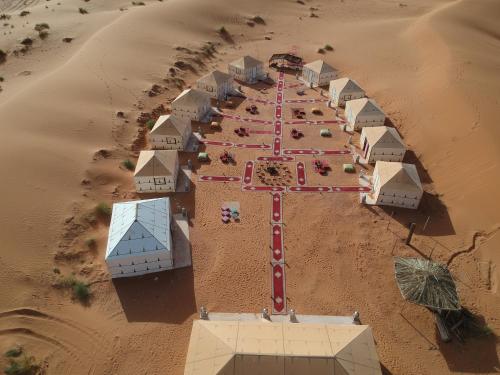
339 98
249 75
215 91
156 184
385 195
167 142
365 119
316 79
191 112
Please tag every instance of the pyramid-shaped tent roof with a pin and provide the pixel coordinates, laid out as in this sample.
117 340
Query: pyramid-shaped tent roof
246 62
138 227
319 66
363 105
216 77
170 125
263 347
399 176
156 163
346 85
192 97
383 136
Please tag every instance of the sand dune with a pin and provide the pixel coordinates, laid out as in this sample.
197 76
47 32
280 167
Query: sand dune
432 65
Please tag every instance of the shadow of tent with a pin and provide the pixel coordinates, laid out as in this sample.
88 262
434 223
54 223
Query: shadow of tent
439 223
168 299
411 158
476 355
384 369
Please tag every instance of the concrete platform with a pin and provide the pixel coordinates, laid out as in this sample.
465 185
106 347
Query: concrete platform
315 319
181 244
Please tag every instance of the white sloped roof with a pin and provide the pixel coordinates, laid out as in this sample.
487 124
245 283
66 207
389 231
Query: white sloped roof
139 226
246 62
346 85
170 125
192 97
399 176
156 163
263 347
216 77
319 66
363 105
383 136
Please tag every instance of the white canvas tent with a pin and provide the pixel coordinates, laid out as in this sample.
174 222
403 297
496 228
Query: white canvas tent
139 239
156 171
381 143
280 348
217 84
318 73
170 133
344 89
247 69
395 184
192 104
364 112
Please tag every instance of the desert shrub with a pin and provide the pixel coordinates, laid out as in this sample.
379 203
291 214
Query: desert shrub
321 50
24 13
56 270
222 30
150 124
22 366
127 163
41 26
138 3
67 40
43 34
2 79
3 56
14 352
81 291
328 47
4 16
27 42
90 243
103 209
259 20
83 11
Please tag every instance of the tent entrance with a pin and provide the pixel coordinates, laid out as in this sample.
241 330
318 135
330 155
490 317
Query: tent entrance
160 181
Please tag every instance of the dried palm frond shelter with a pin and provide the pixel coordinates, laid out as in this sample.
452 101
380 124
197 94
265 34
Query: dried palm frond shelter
426 283
285 61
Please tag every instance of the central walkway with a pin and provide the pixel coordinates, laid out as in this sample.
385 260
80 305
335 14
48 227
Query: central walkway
277 247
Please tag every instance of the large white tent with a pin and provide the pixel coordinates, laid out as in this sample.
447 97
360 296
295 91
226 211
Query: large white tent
318 73
217 84
395 184
364 112
170 133
192 104
344 89
280 348
140 238
247 69
381 143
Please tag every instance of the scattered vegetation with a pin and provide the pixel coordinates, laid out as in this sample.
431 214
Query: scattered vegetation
24 13
41 26
259 20
3 56
4 16
127 163
56 270
20 363
43 34
138 3
83 11
67 40
91 243
150 124
321 50
2 79
328 47
301 2
79 289
222 30
27 42
103 209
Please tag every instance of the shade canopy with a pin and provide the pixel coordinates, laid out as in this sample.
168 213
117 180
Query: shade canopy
426 283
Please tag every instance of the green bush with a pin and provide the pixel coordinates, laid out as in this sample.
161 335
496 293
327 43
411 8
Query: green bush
91 243
81 291
14 352
23 366
329 47
127 163
150 124
103 209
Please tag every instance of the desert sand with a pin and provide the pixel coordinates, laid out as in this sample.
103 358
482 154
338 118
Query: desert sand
432 65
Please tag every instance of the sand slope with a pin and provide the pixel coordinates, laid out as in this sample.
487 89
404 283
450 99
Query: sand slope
432 65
